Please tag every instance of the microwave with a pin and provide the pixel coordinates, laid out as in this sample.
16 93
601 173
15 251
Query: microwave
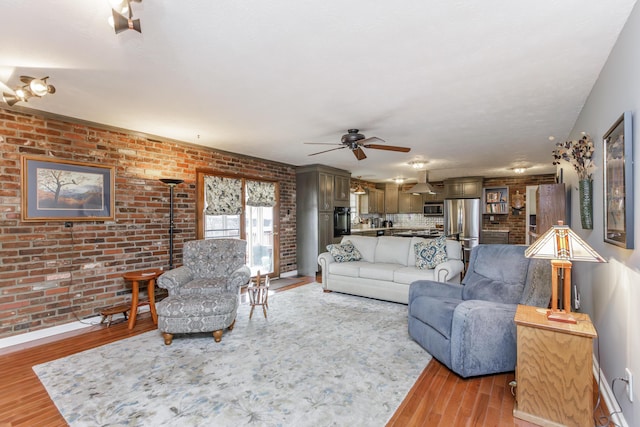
434 209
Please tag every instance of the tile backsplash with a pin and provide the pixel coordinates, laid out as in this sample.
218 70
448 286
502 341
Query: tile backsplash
410 220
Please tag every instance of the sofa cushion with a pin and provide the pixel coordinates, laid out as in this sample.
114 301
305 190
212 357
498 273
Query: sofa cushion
392 250
379 271
454 249
366 245
344 252
431 253
408 275
350 269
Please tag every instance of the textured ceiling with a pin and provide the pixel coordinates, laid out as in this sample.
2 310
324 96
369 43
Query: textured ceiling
474 88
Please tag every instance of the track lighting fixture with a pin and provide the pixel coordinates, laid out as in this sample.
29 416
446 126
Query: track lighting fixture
119 21
31 87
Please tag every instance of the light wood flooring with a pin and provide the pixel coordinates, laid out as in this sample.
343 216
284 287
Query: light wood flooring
438 398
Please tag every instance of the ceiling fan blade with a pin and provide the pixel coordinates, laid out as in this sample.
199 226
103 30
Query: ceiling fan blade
388 148
359 154
372 139
326 151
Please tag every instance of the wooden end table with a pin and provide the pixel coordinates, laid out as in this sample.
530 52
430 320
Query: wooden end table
135 277
554 370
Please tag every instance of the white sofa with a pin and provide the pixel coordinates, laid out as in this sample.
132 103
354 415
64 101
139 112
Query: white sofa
387 268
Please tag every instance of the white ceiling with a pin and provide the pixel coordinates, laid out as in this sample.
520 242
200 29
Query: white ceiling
474 88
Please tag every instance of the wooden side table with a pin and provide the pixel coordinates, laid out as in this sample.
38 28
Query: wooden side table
135 277
554 369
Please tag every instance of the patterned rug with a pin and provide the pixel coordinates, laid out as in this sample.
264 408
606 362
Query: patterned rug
320 359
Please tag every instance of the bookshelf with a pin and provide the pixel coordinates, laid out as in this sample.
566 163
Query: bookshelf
495 200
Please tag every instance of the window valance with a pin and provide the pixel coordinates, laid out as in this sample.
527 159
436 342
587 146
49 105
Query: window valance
223 195
261 194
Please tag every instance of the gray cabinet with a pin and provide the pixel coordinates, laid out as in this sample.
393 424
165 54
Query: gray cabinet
438 196
325 191
390 193
341 189
372 202
315 189
463 188
410 203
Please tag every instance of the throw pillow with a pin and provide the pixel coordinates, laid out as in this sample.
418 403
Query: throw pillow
431 253
344 252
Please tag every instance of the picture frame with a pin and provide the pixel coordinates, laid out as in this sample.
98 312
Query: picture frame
618 183
64 190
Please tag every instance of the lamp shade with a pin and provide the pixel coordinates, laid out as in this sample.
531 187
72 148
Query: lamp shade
560 242
359 190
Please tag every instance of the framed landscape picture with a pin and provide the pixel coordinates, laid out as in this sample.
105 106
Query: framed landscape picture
62 190
618 183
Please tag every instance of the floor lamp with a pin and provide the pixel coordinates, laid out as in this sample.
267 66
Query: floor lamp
171 183
561 245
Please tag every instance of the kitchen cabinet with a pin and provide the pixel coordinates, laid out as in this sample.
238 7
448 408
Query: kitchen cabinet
325 195
341 189
438 196
390 192
551 207
554 373
463 188
495 200
372 202
410 203
325 233
315 189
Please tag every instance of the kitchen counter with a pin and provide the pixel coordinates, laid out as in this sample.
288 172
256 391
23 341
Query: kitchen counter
400 231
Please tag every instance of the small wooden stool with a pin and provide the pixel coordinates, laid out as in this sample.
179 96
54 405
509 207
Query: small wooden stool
259 294
135 277
107 313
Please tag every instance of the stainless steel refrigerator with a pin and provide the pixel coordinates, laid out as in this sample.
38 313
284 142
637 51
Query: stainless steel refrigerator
462 222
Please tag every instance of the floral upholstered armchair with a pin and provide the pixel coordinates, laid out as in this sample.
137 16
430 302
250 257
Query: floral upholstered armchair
209 266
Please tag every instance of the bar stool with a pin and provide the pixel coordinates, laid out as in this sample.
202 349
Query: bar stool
135 277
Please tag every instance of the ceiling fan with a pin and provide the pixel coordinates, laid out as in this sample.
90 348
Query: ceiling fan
355 141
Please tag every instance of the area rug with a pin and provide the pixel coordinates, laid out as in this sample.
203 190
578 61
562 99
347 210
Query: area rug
319 359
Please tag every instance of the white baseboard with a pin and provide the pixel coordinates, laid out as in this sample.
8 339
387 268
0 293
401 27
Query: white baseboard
607 395
56 330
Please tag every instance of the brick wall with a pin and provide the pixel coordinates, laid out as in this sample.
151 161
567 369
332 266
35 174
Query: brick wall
49 274
516 224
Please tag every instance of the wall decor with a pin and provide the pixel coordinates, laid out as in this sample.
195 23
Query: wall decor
618 183
63 190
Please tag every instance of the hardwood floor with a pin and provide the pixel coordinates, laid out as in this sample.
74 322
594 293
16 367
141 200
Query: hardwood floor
438 398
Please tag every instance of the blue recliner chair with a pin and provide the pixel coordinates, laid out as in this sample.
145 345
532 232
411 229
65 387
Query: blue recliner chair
469 327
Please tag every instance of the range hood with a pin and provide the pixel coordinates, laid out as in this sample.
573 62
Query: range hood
423 185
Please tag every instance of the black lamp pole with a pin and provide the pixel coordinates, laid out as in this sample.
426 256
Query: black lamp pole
171 183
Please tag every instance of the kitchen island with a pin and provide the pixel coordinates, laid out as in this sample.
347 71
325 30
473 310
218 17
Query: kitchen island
398 231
